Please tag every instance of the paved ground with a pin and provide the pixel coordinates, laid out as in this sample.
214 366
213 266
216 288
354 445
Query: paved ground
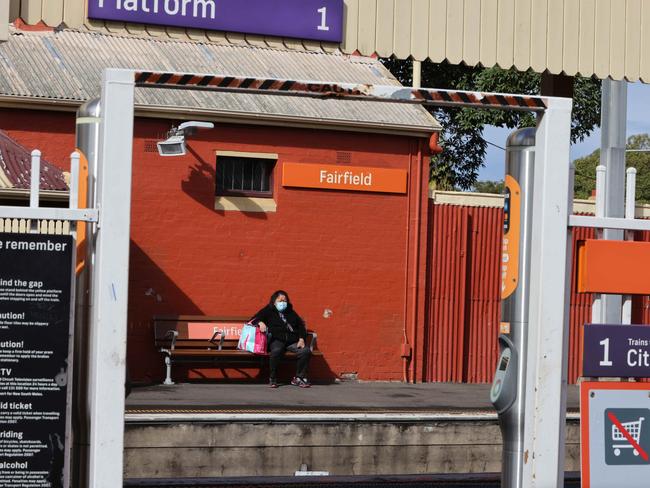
370 396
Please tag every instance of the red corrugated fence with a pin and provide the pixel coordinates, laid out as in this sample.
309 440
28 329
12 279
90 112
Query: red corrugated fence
464 301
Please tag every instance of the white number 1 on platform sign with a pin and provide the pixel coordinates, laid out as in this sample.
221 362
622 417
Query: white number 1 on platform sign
323 19
605 361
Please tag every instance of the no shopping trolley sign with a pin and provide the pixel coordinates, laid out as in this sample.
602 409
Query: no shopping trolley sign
615 429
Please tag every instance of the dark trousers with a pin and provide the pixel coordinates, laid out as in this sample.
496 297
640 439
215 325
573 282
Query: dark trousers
276 351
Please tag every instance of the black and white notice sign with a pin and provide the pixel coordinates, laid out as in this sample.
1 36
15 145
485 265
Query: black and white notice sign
35 273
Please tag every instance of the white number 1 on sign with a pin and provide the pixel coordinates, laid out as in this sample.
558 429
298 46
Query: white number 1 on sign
323 19
605 361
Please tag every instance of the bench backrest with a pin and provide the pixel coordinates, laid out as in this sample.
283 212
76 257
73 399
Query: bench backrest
197 330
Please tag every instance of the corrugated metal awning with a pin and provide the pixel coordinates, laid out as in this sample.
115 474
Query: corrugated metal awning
603 38
67 66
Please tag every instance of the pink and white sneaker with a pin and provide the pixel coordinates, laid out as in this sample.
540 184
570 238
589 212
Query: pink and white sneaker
301 382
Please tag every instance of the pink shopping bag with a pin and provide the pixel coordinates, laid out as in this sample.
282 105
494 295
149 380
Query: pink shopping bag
252 339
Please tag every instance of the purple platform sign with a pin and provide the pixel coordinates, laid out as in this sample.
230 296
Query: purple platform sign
616 350
320 20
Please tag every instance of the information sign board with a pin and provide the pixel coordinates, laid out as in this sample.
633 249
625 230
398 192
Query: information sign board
355 178
615 434
615 350
320 20
35 289
511 236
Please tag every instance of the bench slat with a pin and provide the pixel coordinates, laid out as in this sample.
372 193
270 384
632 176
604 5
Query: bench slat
228 353
180 323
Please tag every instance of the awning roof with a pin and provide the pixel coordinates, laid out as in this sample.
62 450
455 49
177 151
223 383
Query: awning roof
16 168
66 66
605 38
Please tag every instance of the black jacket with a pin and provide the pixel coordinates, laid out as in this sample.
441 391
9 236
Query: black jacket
276 326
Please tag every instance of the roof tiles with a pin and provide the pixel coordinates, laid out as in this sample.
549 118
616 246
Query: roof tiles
16 168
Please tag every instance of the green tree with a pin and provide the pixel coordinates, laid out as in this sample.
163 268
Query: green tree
462 138
489 186
585 177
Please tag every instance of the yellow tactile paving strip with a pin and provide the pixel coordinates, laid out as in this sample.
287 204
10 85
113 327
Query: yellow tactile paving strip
186 414
301 411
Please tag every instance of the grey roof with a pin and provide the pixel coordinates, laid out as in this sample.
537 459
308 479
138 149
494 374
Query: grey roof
66 65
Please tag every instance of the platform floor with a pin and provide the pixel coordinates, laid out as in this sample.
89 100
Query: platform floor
345 429
345 396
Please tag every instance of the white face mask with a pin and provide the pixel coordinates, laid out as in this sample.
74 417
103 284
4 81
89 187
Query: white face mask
281 306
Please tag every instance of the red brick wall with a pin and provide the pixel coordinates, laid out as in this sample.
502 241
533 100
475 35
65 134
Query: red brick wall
361 255
50 132
343 251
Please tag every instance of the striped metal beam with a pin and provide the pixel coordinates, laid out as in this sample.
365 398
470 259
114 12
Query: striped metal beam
320 89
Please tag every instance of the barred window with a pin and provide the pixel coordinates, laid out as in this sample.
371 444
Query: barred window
245 176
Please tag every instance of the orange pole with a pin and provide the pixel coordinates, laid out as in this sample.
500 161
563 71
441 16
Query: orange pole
82 203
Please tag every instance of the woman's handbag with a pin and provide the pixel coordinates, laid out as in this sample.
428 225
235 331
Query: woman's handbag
252 339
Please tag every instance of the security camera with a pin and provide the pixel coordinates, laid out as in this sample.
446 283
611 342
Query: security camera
174 145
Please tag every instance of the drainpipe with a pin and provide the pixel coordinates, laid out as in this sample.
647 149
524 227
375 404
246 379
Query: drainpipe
416 266
434 148
406 347
408 350
415 290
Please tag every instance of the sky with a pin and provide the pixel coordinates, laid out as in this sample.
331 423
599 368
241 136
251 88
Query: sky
638 122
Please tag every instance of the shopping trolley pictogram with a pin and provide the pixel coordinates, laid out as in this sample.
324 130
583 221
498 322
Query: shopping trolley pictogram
633 429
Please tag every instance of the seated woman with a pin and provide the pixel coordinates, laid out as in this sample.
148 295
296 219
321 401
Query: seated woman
286 333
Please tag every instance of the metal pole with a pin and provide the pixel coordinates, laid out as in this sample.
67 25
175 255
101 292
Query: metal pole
612 156
35 188
548 333
508 392
72 366
417 74
110 282
35 181
597 316
73 196
87 141
630 207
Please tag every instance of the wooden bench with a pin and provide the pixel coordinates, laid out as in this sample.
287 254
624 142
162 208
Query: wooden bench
208 340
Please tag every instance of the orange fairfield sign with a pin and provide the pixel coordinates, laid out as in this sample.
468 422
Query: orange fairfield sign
333 177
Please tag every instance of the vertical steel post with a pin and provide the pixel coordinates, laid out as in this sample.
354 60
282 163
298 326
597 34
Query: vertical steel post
73 196
630 208
612 156
35 188
35 180
548 333
508 392
72 366
417 74
110 282
87 141
597 307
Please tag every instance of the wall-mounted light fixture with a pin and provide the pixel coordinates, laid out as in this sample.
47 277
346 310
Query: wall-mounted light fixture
174 145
